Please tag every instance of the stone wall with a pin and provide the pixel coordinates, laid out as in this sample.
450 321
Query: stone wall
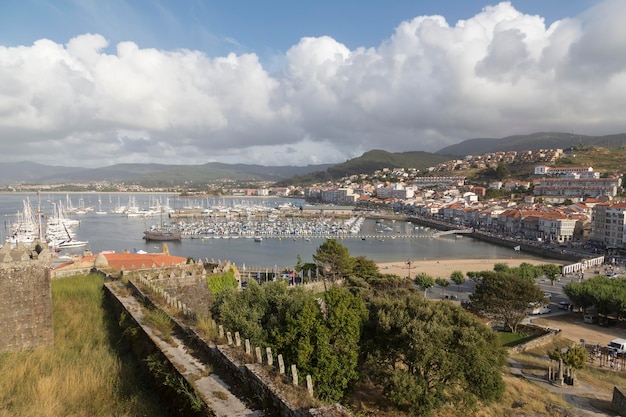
25 298
548 337
619 401
251 377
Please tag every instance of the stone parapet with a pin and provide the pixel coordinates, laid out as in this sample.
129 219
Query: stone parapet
26 306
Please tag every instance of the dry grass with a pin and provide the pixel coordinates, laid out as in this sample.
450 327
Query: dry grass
204 327
87 372
160 322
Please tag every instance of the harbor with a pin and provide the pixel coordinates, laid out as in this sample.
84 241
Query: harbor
379 238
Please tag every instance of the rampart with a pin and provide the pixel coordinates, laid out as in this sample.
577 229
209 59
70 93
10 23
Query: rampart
25 298
252 377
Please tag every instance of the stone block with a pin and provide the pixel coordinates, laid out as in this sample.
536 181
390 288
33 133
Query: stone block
259 356
270 358
294 375
281 364
309 385
237 339
229 338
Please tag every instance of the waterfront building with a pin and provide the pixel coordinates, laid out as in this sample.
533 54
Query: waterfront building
557 190
608 222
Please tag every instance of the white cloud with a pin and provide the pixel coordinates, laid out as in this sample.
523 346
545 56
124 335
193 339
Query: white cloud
429 85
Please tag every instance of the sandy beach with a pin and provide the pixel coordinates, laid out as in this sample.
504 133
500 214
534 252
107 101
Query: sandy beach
442 268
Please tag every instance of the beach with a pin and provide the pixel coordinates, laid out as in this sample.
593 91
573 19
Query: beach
442 268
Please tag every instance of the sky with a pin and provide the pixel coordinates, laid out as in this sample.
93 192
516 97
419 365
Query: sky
93 83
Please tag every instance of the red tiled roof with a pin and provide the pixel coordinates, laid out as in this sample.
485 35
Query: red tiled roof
128 260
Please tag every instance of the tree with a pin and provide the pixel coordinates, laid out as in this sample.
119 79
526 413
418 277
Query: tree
322 339
502 171
334 259
242 311
299 264
365 268
426 354
551 271
475 277
424 282
606 294
576 356
458 278
443 283
501 267
505 296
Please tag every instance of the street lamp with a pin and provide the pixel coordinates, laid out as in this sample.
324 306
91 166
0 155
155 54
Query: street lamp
408 262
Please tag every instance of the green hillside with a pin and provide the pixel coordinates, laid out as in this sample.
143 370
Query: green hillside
368 163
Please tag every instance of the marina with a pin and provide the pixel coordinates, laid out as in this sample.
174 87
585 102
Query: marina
261 241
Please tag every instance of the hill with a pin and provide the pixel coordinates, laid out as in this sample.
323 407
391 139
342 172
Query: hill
370 162
541 140
148 175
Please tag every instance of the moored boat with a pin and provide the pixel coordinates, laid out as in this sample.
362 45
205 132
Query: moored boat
161 235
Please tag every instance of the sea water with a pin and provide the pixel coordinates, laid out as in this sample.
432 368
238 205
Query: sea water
117 232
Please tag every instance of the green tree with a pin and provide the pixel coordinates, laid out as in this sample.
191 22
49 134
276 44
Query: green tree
322 337
575 356
502 171
333 259
501 267
299 264
365 268
505 296
458 278
475 277
443 283
242 311
551 271
427 354
606 294
424 282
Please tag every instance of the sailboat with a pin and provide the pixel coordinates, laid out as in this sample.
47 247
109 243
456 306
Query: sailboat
161 234
100 211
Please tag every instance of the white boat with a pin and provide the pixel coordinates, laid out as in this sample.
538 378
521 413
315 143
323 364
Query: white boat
71 243
100 211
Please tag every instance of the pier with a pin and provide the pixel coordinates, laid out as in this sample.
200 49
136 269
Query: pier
279 236
453 232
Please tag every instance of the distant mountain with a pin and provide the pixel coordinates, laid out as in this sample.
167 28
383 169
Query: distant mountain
148 174
370 162
31 172
542 140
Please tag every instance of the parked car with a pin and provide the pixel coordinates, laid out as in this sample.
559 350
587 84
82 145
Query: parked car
606 321
617 345
564 305
590 318
548 295
535 310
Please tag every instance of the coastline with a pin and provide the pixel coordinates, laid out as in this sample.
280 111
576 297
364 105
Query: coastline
443 268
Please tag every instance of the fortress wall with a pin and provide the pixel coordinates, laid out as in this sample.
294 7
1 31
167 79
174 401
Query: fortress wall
25 298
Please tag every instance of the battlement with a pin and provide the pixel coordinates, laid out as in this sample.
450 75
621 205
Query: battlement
25 297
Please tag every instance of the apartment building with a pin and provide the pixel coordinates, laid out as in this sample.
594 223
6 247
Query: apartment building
608 224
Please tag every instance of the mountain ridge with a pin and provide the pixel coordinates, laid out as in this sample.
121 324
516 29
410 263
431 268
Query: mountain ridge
162 175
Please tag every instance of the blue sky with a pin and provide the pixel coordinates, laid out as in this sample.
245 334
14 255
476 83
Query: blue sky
276 82
266 28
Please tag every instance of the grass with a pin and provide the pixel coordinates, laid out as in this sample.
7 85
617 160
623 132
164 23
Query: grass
509 339
160 321
89 371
